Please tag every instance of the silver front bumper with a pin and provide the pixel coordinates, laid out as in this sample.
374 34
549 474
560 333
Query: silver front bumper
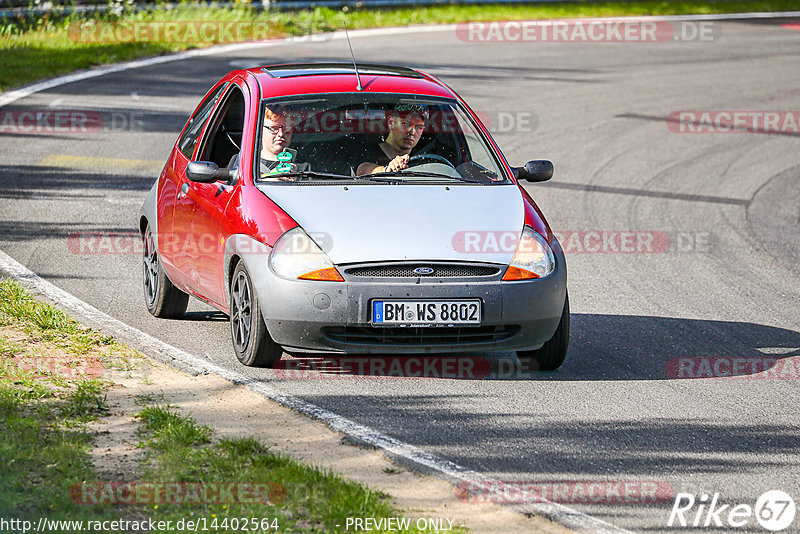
335 316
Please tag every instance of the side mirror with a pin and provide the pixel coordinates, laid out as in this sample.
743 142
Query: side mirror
539 170
207 172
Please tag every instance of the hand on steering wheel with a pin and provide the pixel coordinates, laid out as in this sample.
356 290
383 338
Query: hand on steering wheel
397 164
421 159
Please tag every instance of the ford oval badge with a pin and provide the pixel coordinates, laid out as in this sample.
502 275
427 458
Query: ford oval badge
424 270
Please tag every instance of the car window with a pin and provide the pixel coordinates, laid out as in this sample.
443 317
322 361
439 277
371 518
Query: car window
320 138
223 138
193 129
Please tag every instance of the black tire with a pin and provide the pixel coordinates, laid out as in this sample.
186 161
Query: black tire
249 334
552 354
161 297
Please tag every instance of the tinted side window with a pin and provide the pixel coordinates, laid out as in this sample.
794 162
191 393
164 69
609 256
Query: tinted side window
194 127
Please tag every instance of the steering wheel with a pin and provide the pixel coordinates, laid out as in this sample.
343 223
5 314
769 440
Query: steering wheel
421 159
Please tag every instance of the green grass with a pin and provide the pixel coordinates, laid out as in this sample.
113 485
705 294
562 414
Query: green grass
45 323
301 498
43 451
42 48
170 430
86 402
44 408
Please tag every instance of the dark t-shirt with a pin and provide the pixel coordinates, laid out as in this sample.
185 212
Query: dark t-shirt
375 154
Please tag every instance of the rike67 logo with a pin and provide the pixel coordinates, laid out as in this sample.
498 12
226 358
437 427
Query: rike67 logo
774 510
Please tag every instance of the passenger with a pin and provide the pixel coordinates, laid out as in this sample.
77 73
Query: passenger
406 124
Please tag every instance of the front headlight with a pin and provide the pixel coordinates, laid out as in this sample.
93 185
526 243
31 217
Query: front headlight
533 258
296 256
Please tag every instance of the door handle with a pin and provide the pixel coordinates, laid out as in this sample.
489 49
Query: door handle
184 190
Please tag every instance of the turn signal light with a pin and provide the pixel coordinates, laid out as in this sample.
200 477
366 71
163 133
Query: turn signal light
515 273
329 274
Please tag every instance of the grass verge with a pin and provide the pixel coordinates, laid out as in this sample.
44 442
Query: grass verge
49 46
277 490
52 386
49 390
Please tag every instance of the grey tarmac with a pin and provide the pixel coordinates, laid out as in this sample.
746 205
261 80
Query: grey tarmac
726 286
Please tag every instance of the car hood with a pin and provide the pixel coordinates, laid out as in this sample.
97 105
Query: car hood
373 223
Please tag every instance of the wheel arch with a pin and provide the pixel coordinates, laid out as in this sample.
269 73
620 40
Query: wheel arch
232 262
240 248
148 213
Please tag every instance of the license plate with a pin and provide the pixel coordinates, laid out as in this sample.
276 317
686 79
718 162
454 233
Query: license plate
426 312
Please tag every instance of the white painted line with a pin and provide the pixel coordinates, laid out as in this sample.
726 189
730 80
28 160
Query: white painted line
686 18
13 96
163 351
727 16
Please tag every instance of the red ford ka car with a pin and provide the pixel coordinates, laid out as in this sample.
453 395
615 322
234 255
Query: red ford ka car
326 209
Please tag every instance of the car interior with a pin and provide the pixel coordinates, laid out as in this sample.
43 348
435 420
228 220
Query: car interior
342 148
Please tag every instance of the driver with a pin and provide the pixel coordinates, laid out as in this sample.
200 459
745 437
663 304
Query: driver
276 135
406 124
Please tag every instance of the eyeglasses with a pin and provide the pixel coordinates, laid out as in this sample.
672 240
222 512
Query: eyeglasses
274 129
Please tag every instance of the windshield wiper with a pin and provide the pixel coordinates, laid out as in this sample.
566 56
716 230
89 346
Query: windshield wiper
320 175
307 174
427 174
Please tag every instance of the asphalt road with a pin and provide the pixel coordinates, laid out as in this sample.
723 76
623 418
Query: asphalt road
728 284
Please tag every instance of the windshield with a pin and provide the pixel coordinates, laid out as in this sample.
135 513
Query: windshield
372 139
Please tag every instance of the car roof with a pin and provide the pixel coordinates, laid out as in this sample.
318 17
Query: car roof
315 78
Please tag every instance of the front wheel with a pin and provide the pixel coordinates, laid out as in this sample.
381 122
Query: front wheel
162 298
251 340
551 355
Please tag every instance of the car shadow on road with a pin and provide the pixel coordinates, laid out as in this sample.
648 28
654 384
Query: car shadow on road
206 315
602 347
631 347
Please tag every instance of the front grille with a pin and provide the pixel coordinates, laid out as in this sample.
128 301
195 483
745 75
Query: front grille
411 336
439 271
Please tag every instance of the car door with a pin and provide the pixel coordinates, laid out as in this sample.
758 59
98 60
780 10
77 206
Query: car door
203 204
172 217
